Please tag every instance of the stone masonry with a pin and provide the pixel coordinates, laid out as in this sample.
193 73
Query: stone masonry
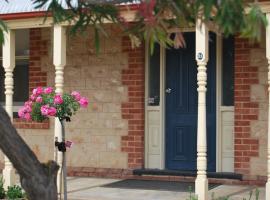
98 131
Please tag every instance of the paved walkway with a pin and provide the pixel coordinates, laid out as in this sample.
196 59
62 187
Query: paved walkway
115 189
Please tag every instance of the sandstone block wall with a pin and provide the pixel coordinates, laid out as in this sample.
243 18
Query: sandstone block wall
98 131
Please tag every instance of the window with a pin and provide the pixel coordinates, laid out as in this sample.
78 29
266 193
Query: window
21 83
20 73
228 72
154 77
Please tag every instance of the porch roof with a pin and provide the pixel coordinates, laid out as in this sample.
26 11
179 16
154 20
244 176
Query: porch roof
24 6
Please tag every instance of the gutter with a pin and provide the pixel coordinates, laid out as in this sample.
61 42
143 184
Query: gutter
26 15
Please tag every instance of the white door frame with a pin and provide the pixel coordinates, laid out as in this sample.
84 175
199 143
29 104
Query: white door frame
161 109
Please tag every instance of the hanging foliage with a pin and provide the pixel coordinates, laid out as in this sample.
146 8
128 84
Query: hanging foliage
154 18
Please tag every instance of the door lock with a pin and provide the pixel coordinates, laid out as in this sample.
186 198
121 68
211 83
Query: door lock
168 90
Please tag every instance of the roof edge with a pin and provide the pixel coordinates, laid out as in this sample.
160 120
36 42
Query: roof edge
22 15
33 14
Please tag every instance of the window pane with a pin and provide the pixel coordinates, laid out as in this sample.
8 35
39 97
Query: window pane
21 83
154 77
228 72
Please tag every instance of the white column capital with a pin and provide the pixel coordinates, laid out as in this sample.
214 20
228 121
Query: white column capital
202 33
59 46
59 56
9 51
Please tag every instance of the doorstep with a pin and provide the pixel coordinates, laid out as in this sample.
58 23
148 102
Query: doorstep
190 176
218 175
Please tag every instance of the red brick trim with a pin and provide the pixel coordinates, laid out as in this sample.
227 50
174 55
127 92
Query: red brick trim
246 110
127 174
37 77
22 124
133 109
38 48
99 172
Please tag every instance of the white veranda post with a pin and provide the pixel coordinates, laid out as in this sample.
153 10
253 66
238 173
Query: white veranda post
268 148
201 184
9 65
59 61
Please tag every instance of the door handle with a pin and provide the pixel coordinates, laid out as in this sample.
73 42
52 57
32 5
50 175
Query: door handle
168 90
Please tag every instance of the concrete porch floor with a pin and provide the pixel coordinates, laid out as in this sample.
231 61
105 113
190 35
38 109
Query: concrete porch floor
100 189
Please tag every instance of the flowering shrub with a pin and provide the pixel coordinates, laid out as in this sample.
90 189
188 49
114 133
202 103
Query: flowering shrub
45 103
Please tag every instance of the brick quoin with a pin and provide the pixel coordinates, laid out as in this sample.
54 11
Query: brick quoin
133 109
37 77
246 111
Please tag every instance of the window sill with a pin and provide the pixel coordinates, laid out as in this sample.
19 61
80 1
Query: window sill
23 124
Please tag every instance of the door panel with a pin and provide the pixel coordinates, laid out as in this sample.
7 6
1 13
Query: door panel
182 105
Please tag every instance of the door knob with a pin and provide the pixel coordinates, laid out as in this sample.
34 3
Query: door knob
168 90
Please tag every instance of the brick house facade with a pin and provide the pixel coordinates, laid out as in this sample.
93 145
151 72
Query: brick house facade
110 135
125 113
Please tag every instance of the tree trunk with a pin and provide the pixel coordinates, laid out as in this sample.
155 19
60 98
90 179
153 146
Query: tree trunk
38 180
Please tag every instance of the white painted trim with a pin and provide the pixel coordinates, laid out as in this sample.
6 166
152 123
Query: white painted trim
146 80
226 108
148 109
29 23
163 105
221 159
18 58
220 109
38 22
152 108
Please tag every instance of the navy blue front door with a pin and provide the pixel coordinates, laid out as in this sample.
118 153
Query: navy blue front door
182 105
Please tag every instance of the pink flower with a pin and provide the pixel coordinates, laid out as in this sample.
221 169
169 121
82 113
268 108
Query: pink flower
28 103
76 95
69 144
44 110
33 97
39 99
24 112
58 99
27 116
21 112
48 90
83 102
28 108
37 91
52 111
146 10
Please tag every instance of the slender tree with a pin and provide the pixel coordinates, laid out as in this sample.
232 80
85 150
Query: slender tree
38 180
